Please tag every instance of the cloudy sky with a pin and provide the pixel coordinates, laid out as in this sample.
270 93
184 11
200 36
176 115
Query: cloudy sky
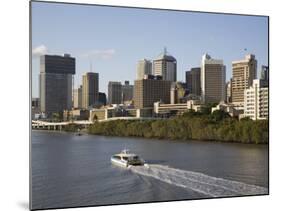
114 39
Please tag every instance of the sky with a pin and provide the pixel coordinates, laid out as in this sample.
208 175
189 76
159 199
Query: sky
113 39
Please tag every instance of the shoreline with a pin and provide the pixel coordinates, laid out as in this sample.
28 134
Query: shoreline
153 138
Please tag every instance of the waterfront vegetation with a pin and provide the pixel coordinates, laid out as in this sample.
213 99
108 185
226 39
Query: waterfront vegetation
218 126
72 127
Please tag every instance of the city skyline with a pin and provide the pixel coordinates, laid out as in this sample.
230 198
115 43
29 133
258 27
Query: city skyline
114 53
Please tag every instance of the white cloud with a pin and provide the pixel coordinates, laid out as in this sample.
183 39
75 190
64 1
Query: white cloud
39 50
99 54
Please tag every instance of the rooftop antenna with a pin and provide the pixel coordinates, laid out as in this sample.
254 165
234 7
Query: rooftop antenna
91 66
165 50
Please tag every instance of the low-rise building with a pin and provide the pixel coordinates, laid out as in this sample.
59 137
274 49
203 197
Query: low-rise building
107 113
76 114
168 110
232 109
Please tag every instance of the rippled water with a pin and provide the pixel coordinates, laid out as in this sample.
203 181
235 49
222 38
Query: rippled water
69 170
210 186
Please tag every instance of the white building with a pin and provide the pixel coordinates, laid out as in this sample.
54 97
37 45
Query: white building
166 66
256 101
144 67
166 110
212 80
232 109
243 73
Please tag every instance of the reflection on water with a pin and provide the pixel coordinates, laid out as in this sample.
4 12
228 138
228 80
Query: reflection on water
69 170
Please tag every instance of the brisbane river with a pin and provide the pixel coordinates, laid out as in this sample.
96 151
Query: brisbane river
70 170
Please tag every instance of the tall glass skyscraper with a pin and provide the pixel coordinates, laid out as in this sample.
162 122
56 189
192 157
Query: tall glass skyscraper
56 83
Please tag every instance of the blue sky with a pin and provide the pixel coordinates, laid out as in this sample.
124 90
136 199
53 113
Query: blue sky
114 39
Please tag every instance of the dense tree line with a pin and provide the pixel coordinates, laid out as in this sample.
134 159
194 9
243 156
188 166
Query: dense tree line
191 125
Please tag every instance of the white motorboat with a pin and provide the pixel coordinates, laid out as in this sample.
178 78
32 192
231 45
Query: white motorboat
127 159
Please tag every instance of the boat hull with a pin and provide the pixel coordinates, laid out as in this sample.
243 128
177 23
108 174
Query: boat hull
126 163
119 163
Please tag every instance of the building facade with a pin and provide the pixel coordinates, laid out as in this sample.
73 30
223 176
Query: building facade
256 101
212 80
90 90
148 91
243 73
76 114
228 91
178 92
114 92
102 98
166 66
168 110
193 80
144 67
77 97
127 92
35 107
56 83
264 73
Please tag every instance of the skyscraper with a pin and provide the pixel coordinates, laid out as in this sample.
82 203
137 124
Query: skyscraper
193 81
127 92
102 98
243 73
166 66
114 92
90 92
144 67
77 99
149 91
212 80
56 83
264 72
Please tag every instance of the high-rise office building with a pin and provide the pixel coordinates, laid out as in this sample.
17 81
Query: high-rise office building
149 91
212 80
127 92
193 81
114 92
264 75
144 67
256 101
77 98
166 66
90 89
243 73
56 83
102 98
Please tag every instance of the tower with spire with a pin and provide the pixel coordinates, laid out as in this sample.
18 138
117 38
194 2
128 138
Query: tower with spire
165 65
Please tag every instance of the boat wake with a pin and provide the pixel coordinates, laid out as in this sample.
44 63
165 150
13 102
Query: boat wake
202 183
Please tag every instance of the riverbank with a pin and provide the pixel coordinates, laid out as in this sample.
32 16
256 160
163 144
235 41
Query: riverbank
188 127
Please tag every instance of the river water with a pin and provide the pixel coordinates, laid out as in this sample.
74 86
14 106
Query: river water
70 170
